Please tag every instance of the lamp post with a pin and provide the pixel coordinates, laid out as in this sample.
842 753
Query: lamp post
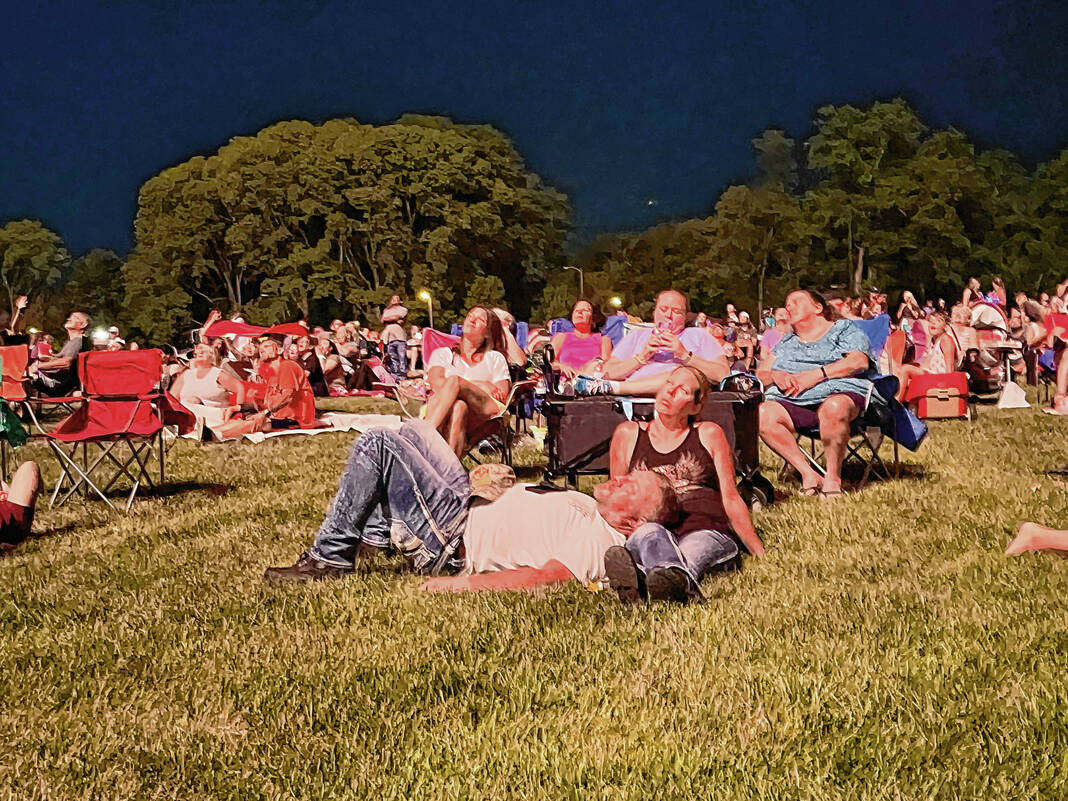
424 295
616 301
582 287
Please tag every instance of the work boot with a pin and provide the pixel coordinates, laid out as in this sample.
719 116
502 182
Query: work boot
623 575
306 568
672 584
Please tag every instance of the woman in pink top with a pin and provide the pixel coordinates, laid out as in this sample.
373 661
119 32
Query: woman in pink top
581 350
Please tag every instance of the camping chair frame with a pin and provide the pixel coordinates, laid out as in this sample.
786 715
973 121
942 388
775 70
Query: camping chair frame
141 451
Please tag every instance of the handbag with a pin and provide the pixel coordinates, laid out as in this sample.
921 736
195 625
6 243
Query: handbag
909 430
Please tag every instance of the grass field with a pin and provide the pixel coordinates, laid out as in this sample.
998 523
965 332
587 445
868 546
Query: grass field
884 649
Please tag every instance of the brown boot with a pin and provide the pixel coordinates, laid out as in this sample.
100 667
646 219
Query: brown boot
306 568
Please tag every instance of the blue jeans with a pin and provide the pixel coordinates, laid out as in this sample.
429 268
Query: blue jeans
402 487
397 358
696 553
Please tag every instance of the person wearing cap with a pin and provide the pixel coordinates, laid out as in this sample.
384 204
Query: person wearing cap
407 489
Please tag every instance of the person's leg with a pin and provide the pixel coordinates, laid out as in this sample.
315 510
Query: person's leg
398 353
905 373
457 433
25 485
657 555
421 483
439 406
1062 382
362 377
705 549
835 415
778 432
1033 537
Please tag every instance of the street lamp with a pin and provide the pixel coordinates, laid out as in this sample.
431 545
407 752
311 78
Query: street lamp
616 301
582 287
424 295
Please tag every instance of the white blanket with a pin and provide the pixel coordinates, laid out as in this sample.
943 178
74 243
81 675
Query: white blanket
338 422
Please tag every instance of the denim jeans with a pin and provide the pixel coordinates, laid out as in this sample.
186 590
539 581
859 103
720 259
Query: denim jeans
397 358
696 552
402 487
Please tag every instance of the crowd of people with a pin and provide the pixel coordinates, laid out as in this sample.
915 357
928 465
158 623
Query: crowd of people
670 512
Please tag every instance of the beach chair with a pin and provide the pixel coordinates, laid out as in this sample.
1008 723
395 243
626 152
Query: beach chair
118 428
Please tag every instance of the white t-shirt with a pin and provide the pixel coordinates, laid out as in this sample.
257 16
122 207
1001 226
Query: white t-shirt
529 529
492 368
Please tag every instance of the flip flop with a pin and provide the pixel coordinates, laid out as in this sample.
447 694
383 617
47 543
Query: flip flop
831 495
810 492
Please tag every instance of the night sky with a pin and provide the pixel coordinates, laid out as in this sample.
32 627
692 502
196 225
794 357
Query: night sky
617 104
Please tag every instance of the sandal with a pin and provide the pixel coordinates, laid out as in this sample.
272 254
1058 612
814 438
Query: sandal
831 495
810 492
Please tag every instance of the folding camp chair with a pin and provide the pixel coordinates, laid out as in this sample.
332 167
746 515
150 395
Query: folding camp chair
877 423
13 361
122 418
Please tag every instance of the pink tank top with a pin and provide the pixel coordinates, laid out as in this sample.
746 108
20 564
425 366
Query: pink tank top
578 351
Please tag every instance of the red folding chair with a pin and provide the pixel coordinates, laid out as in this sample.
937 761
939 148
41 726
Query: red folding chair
122 420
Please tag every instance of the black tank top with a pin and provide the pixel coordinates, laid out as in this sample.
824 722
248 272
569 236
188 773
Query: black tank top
693 474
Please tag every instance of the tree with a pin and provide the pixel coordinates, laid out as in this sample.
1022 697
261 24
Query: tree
95 286
32 259
301 216
485 290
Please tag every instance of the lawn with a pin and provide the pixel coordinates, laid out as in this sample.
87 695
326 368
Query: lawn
884 649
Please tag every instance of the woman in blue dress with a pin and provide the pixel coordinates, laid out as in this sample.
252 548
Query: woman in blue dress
817 377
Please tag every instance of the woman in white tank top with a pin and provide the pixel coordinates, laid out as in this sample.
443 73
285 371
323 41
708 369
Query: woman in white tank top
205 390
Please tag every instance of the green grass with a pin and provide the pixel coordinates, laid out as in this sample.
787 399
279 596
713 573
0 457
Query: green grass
884 649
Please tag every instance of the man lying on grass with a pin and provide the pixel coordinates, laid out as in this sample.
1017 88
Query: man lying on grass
407 489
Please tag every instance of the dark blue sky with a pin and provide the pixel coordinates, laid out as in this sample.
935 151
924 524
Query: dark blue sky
614 103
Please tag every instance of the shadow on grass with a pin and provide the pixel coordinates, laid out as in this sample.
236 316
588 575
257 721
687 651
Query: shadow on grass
168 490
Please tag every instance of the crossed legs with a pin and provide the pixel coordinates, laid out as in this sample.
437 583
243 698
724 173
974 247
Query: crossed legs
456 408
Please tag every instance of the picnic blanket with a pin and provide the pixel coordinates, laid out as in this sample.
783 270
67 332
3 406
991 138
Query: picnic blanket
330 422
336 421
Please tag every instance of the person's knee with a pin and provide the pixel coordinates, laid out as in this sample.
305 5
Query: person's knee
836 409
770 415
646 532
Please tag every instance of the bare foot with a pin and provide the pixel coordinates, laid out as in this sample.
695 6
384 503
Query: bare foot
1021 543
1033 537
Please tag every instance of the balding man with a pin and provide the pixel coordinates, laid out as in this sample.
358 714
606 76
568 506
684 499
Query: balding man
641 363
407 489
58 375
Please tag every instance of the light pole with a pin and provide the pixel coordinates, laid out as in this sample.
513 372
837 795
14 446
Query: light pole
582 287
424 295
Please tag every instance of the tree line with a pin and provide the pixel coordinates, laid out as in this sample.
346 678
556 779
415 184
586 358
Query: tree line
323 221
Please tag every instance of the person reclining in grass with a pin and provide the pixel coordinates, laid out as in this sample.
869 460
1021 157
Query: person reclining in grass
642 360
408 489
658 564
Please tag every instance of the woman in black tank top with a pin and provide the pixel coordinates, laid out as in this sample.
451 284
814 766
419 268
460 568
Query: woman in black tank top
695 457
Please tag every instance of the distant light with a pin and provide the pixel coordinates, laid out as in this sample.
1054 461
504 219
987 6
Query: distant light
424 295
100 335
616 301
33 331
652 202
